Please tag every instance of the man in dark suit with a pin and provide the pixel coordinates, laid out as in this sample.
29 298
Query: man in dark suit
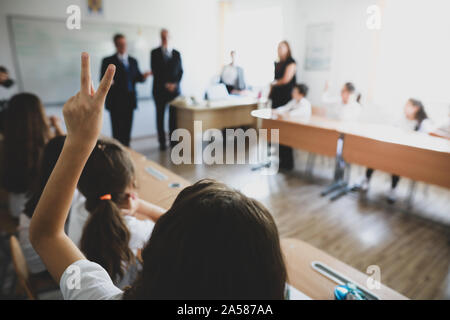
121 99
167 72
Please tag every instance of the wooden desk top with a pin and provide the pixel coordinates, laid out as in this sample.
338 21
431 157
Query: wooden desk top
299 256
441 133
394 135
151 188
205 105
313 121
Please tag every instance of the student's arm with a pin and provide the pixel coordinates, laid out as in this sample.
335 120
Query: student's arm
55 123
150 210
289 73
83 115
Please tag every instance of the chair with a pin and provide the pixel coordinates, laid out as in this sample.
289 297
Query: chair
31 284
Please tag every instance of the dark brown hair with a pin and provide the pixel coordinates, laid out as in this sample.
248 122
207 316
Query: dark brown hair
49 158
420 113
117 36
350 87
26 132
213 243
105 239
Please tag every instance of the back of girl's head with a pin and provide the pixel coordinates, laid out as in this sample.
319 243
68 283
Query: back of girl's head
302 88
420 113
213 243
108 171
26 131
49 158
350 87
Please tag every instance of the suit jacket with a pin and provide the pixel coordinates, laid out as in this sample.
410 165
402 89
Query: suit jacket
165 71
119 96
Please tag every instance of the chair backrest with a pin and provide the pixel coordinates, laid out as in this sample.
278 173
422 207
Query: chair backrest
20 267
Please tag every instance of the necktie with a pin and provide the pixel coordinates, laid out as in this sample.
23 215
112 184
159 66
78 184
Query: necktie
127 69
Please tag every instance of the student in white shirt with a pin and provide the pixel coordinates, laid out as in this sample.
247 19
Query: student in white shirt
414 111
299 106
346 107
102 222
213 243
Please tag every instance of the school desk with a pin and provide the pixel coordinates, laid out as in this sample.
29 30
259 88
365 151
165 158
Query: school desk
299 257
230 113
315 134
160 190
414 155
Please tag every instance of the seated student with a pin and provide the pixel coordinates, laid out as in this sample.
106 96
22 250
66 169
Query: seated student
26 131
346 107
414 112
102 219
233 76
213 243
299 106
49 157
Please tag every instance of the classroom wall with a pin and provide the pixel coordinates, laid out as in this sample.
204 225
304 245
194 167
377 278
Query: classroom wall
193 25
408 57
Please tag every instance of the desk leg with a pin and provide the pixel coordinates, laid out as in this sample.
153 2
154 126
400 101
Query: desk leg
409 200
339 182
310 161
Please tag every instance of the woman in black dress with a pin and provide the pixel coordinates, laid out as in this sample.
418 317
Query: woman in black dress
280 93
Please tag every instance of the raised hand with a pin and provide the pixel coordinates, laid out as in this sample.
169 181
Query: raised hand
83 113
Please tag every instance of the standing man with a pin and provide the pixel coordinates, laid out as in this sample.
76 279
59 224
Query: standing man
121 99
167 72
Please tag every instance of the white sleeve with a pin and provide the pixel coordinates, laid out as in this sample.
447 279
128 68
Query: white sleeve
329 99
86 280
426 126
286 107
304 110
140 232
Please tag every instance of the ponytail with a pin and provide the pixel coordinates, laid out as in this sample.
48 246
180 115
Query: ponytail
420 114
106 238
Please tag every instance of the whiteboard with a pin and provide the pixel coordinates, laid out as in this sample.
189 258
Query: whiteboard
47 54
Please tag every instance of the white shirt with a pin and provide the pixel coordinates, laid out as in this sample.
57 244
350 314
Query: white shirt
123 58
229 75
294 108
95 284
140 230
426 126
34 262
338 110
16 203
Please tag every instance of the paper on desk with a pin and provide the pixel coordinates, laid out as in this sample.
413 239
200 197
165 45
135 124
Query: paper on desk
295 294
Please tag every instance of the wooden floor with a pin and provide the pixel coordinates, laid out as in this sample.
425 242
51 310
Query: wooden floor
411 248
